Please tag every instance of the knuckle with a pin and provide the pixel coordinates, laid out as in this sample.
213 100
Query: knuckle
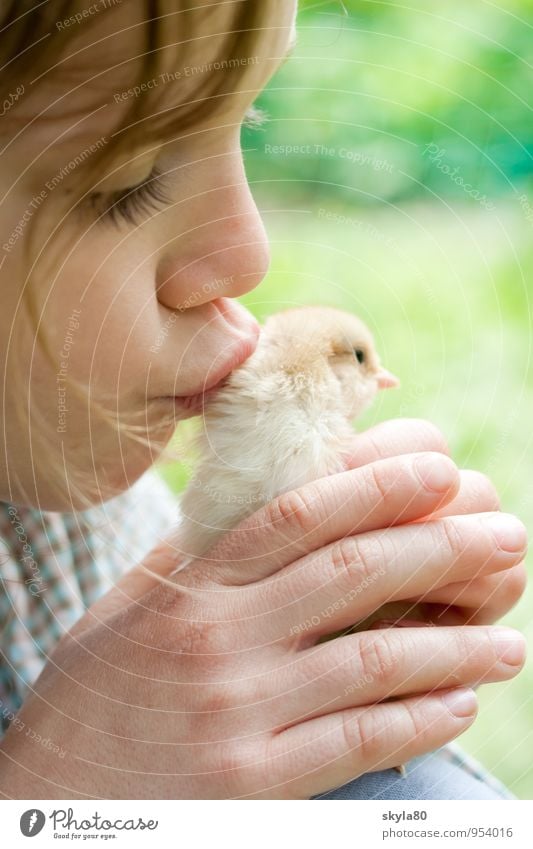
229 758
467 648
358 560
379 479
294 509
164 601
225 696
247 766
363 737
376 658
345 557
203 639
452 538
415 721
375 733
353 738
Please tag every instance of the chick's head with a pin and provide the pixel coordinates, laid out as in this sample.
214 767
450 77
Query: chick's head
336 348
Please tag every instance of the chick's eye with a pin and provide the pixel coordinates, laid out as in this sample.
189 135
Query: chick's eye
133 204
360 355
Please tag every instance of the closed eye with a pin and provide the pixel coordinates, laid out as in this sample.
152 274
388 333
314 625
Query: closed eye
134 204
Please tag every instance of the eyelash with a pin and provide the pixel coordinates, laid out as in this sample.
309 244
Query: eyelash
133 204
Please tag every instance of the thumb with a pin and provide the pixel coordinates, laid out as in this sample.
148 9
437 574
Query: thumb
392 438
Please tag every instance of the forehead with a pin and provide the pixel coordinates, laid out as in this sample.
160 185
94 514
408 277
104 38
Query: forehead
121 57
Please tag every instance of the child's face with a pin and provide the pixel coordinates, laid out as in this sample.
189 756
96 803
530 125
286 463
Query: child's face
139 314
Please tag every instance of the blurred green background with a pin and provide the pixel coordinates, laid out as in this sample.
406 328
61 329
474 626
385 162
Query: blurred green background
394 176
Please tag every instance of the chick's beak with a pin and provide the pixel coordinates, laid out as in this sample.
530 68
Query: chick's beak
386 380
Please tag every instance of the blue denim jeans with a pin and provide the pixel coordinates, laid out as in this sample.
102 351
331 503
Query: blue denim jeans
434 776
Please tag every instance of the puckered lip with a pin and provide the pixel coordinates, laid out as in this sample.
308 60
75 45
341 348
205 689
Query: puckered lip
239 353
243 335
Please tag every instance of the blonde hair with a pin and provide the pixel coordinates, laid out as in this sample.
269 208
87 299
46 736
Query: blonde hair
32 45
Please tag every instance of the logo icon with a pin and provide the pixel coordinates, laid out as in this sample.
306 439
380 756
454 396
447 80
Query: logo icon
32 822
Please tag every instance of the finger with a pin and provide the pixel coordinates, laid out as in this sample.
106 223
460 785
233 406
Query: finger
347 581
481 601
477 494
364 668
320 754
392 438
384 493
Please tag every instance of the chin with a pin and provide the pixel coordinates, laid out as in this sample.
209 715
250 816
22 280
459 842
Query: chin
112 477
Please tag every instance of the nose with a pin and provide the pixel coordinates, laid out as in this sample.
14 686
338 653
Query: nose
221 251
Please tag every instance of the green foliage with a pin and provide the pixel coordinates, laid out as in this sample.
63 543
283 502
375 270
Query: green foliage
413 94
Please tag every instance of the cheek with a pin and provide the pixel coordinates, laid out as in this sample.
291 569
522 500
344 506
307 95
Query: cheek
357 392
366 392
103 312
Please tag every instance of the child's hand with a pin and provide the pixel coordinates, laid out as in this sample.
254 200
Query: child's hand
217 687
481 600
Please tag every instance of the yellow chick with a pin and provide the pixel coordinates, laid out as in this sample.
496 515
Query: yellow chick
281 419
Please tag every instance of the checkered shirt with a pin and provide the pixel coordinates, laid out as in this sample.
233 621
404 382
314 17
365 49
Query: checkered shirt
53 566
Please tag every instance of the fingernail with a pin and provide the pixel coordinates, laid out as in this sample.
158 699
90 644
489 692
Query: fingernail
461 702
510 645
436 473
509 532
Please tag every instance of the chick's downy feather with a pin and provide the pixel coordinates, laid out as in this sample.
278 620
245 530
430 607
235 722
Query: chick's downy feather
282 419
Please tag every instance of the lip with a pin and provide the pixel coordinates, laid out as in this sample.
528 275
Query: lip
239 353
243 331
